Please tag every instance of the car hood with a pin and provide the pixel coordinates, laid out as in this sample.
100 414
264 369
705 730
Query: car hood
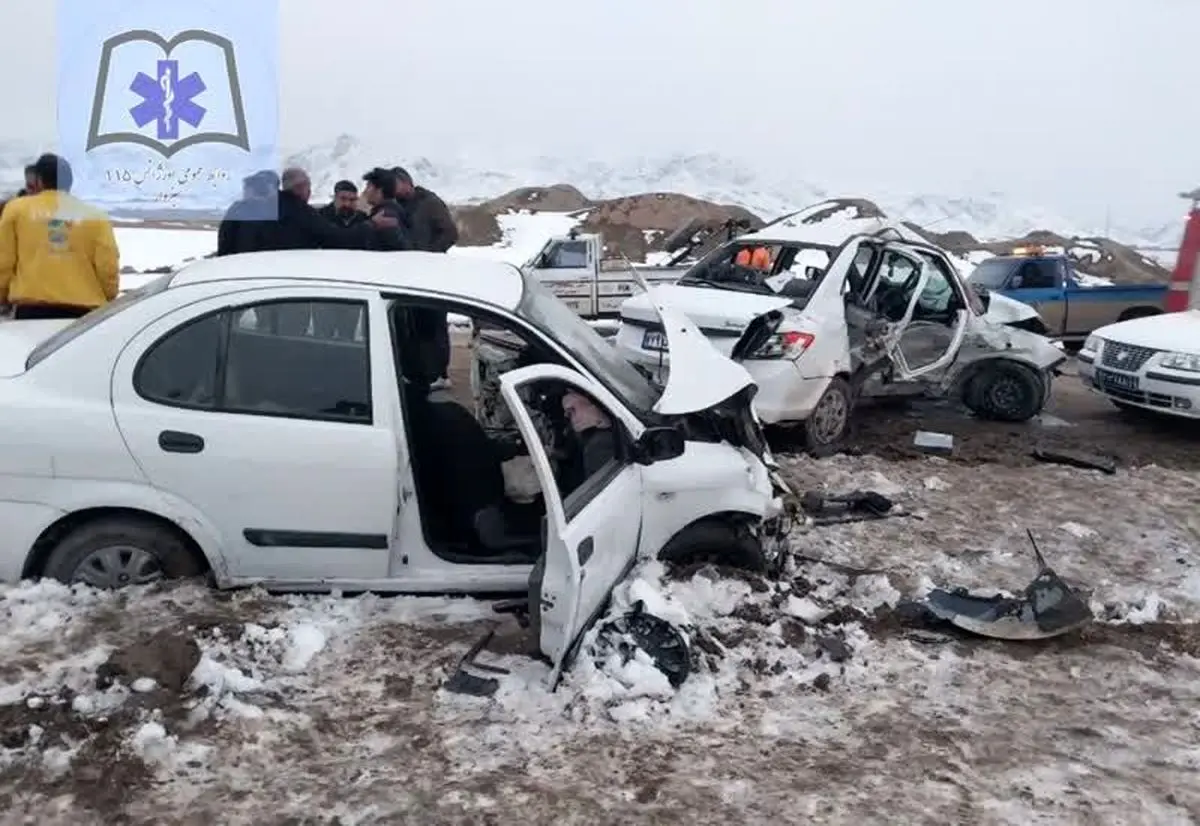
18 338
700 377
1169 331
709 308
1004 310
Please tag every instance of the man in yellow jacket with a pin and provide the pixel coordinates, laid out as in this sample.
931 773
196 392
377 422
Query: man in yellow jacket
58 255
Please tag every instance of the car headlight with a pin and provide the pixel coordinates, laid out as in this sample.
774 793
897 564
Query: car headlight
1093 343
1181 361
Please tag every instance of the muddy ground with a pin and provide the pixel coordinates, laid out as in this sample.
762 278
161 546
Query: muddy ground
812 702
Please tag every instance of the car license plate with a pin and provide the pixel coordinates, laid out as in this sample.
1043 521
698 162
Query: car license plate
654 340
1106 379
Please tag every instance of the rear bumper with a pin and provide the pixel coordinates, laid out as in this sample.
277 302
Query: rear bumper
1172 393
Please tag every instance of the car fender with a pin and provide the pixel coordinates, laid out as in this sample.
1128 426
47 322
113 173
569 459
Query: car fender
76 496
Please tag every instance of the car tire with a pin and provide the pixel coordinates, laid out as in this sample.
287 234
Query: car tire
829 423
1005 392
717 541
119 551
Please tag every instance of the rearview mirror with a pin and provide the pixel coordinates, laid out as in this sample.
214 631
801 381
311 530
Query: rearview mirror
658 444
813 273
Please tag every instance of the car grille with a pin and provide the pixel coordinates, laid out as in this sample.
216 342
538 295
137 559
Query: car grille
1126 357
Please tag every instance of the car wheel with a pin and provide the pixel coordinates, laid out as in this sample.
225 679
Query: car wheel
829 421
1006 392
716 541
121 551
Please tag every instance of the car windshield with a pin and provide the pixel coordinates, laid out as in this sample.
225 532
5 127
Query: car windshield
77 328
991 274
557 321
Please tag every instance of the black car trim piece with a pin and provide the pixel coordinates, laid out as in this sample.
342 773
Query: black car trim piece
1185 380
657 327
266 538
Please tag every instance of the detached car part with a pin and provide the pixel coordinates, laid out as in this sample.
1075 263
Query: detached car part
1047 608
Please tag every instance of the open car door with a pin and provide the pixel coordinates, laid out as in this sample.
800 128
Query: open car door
931 332
592 533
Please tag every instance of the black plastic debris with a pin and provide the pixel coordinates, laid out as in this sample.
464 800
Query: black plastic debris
856 506
1047 608
473 685
659 639
1075 458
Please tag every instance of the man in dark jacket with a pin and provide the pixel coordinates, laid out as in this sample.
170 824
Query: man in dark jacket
430 222
432 229
343 209
380 193
243 229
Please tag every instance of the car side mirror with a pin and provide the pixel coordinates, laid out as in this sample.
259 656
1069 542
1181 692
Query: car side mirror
658 444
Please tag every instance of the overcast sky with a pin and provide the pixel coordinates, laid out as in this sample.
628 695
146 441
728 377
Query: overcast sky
1070 104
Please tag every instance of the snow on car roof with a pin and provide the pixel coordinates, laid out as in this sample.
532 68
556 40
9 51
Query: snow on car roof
830 228
492 282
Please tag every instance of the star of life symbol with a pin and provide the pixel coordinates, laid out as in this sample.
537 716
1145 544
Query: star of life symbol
167 99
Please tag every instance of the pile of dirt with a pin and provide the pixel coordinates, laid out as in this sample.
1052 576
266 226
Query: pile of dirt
632 226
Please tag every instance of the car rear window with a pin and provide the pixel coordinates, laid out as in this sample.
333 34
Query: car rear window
96 316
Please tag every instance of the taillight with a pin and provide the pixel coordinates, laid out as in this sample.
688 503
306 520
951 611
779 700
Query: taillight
789 345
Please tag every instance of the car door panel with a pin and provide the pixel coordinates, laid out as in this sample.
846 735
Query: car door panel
589 545
293 499
919 347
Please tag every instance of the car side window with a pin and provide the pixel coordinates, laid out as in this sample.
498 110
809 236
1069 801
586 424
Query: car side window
280 359
182 368
284 363
567 255
1035 275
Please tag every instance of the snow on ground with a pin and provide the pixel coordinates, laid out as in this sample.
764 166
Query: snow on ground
144 248
800 708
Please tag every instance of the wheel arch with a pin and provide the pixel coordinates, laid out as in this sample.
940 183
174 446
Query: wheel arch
1140 311
738 525
49 538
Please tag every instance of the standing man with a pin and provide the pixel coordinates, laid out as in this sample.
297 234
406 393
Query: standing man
343 209
432 229
242 228
58 255
380 193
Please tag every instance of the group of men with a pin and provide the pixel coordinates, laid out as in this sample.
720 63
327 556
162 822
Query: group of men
274 214
58 255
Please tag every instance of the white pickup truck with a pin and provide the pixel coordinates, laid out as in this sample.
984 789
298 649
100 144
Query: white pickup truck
573 267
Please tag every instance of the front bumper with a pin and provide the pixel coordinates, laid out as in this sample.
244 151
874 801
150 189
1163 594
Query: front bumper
1172 392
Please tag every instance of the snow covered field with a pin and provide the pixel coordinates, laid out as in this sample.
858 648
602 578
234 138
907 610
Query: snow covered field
186 706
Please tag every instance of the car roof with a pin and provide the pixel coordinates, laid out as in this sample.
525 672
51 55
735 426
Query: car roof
483 280
830 232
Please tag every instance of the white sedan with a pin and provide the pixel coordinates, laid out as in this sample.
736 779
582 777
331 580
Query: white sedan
266 419
1150 364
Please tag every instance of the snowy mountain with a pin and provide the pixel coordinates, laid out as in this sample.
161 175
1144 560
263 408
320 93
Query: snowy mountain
468 177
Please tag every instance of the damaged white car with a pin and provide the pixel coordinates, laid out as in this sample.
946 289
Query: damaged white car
266 419
816 324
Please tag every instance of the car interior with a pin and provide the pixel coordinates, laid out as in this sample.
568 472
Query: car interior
795 271
467 512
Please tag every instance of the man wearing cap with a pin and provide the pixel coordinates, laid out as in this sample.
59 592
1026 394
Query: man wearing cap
343 209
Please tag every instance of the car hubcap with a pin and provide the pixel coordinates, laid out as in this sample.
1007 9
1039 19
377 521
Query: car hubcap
118 566
1005 396
829 419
